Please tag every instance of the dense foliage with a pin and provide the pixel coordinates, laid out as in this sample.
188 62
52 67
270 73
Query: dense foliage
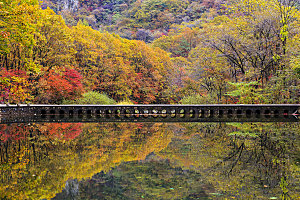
42 60
195 51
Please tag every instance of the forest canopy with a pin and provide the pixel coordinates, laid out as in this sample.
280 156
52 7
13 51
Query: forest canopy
150 51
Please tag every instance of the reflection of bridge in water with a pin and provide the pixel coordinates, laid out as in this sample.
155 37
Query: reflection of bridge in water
150 113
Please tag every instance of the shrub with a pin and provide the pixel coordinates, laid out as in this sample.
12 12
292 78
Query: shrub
93 98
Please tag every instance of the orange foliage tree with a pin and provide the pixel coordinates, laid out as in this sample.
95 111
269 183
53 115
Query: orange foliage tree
56 85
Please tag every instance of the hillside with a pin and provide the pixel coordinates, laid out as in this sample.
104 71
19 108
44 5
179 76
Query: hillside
133 19
150 51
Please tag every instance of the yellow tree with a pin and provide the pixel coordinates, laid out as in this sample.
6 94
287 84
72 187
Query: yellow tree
121 68
17 33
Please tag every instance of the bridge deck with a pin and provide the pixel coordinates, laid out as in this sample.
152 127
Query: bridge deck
150 113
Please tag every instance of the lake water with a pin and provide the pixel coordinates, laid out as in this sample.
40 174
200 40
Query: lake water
150 161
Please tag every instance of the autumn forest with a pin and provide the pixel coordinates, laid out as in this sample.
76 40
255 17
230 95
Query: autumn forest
169 51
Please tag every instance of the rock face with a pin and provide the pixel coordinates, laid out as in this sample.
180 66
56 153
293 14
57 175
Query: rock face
71 5
61 5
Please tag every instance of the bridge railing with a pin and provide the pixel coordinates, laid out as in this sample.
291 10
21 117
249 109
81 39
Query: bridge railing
150 113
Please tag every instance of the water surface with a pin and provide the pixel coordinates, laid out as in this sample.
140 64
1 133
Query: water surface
150 161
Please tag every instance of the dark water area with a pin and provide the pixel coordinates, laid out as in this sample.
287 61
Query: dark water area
150 161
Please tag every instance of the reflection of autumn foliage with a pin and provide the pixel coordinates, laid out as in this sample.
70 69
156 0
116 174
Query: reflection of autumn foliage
46 158
151 179
14 86
50 154
13 132
121 143
65 131
27 152
241 160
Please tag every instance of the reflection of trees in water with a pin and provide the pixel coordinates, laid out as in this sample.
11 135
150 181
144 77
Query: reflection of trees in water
240 160
246 161
268 152
153 178
33 141
253 163
20 146
268 156
47 155
27 163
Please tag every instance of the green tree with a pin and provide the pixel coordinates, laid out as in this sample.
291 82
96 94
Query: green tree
92 98
246 93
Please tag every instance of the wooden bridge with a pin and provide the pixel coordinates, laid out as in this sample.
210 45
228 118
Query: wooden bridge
150 113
